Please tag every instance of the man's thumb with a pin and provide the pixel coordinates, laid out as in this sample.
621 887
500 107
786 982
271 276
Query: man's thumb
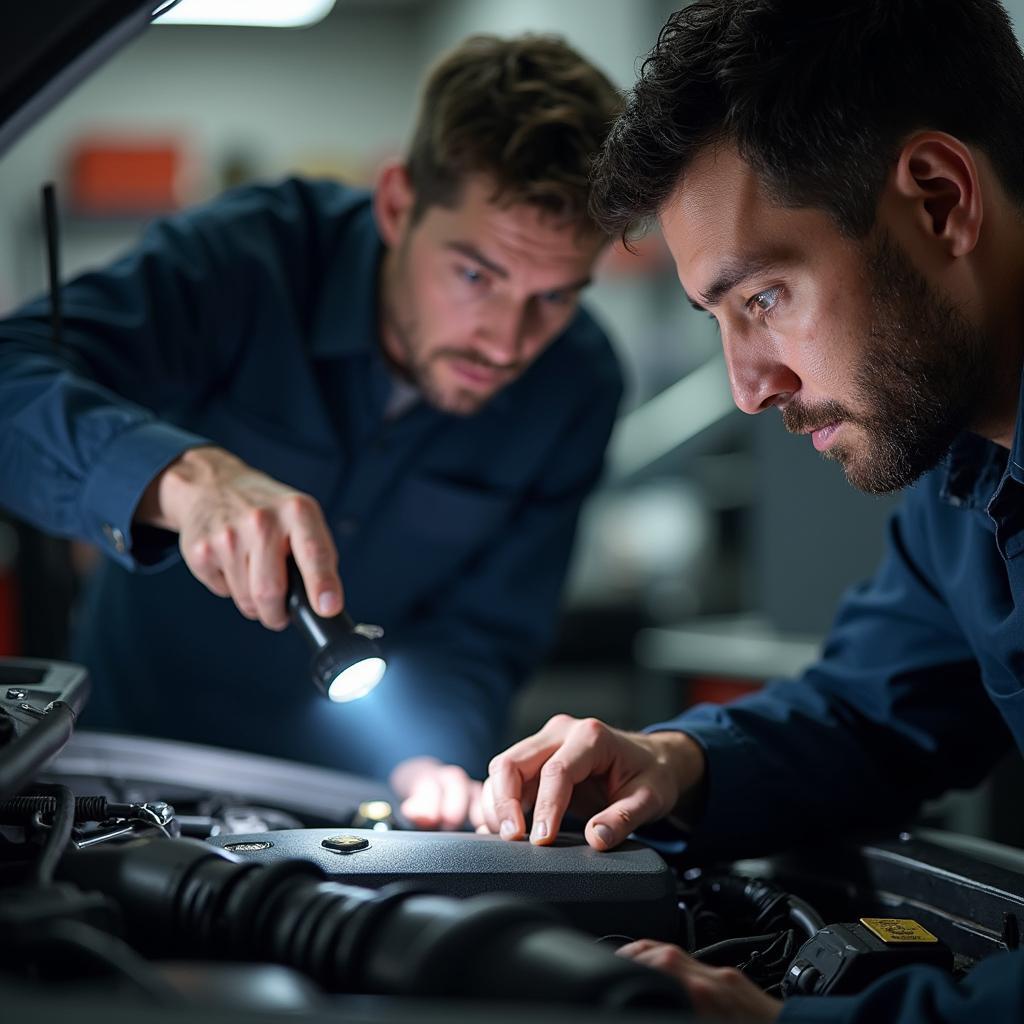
602 836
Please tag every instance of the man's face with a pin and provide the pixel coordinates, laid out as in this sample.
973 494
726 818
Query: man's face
851 343
473 294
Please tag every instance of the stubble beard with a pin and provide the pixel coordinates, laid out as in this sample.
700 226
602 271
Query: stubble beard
423 375
923 378
422 372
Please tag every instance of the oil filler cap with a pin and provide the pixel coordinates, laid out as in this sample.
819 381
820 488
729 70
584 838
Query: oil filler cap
345 844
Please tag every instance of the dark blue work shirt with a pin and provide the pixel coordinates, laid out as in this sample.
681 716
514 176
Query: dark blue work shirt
252 323
919 689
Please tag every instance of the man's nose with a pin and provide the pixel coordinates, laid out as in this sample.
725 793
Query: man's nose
759 380
500 334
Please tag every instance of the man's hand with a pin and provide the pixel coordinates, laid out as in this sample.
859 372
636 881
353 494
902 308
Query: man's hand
619 780
436 795
235 528
722 993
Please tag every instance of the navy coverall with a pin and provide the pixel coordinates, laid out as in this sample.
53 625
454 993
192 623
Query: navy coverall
251 323
920 688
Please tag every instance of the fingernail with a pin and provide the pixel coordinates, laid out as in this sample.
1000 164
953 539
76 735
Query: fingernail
329 603
508 829
540 831
605 834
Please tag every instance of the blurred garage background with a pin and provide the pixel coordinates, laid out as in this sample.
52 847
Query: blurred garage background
716 550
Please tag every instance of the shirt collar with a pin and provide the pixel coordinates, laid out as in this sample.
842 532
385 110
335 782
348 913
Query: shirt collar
1016 463
976 469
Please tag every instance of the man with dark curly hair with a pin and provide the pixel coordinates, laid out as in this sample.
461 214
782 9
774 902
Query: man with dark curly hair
841 185
401 383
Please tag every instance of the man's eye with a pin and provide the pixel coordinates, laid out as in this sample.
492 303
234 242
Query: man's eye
470 274
764 302
556 298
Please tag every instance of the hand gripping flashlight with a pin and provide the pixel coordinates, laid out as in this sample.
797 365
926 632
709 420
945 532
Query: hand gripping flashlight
347 663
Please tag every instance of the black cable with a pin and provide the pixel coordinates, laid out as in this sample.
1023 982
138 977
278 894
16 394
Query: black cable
805 917
745 943
59 835
50 228
23 810
763 901
782 945
25 755
768 966
87 808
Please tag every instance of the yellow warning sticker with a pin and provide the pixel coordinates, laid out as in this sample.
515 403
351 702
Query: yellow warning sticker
897 929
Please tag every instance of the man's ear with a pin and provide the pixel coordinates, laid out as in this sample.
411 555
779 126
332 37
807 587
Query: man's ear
393 202
937 179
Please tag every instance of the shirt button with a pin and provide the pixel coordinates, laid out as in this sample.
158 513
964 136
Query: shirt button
116 538
347 527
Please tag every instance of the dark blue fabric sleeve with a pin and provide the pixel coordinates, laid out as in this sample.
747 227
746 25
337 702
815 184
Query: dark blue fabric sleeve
889 716
86 427
458 666
992 991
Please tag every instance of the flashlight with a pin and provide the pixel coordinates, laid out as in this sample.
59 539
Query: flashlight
347 663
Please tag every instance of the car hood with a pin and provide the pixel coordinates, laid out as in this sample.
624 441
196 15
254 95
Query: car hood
48 46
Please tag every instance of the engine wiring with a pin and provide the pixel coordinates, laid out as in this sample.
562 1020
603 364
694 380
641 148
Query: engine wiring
70 917
62 823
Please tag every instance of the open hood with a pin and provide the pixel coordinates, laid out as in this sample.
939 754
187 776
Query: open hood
48 46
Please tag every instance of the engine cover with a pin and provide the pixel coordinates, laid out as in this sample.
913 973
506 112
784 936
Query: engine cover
628 891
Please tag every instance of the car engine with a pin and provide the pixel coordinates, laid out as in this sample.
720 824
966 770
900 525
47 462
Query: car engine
145 876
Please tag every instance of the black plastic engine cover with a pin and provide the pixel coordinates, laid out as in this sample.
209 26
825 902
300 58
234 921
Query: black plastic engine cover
628 891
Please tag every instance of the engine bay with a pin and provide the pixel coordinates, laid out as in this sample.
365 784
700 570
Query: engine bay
193 879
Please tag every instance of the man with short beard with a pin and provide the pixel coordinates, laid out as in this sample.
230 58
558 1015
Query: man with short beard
842 188
401 383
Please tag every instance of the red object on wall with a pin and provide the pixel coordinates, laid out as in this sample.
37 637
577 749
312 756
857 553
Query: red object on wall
115 177
717 690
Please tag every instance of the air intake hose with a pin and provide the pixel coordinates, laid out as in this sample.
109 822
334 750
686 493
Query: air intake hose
182 898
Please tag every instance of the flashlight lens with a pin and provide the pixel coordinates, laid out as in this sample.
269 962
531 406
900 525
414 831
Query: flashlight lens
357 680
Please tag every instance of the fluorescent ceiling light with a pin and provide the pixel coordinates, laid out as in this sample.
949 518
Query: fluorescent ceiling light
269 13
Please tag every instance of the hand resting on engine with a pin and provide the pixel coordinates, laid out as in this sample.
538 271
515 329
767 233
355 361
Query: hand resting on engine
617 780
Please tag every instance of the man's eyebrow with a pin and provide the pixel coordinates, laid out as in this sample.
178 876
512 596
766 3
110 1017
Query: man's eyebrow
473 253
733 273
